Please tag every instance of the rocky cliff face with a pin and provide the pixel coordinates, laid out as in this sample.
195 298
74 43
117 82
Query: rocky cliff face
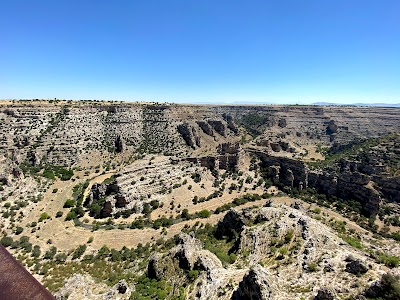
49 129
44 134
343 183
78 133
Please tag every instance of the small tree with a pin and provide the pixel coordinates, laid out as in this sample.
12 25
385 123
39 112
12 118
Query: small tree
36 251
50 253
79 251
69 203
6 241
19 230
204 214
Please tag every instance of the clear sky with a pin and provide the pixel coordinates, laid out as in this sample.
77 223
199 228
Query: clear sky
282 51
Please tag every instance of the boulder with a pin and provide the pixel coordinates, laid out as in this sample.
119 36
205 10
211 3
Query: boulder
356 267
325 294
331 128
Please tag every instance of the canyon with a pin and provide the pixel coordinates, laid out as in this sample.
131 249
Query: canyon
294 198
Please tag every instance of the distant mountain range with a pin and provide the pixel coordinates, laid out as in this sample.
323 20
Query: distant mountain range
359 104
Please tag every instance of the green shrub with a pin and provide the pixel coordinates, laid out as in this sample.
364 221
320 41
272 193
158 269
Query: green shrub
283 251
289 235
147 288
69 203
204 214
196 177
316 211
44 216
193 275
352 241
49 254
387 260
61 257
6 241
312 267
36 251
71 216
79 251
185 214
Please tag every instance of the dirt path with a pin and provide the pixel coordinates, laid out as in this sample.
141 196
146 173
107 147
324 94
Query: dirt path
55 229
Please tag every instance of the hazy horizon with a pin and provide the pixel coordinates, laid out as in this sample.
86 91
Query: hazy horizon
223 52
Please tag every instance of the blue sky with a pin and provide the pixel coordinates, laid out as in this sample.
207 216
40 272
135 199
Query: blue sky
293 51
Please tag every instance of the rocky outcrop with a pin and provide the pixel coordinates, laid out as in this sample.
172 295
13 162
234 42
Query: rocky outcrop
286 171
227 158
207 129
343 183
79 287
188 134
186 251
325 294
121 287
389 187
347 185
231 123
387 287
256 232
49 129
228 148
119 144
282 123
108 196
218 126
187 255
255 286
331 128
232 224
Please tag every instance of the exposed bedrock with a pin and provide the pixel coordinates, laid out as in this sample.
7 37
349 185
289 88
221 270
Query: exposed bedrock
346 185
119 144
231 124
109 196
227 158
218 126
332 128
232 224
254 286
207 129
49 130
187 134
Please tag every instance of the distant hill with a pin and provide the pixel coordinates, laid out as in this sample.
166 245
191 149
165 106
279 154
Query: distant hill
359 104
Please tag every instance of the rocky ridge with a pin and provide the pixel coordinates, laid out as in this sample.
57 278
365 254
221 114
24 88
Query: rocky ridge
315 261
